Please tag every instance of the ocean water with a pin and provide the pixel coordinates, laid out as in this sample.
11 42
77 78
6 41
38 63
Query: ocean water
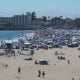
12 34
6 35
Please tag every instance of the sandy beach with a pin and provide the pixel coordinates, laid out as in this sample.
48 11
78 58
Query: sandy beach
56 70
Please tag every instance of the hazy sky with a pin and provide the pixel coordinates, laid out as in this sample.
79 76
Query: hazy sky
69 8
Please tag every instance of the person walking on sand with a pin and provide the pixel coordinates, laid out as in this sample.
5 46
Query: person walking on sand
19 70
39 73
43 74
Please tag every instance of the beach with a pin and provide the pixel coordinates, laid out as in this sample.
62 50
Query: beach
56 70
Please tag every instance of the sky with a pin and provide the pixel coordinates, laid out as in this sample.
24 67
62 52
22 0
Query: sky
66 8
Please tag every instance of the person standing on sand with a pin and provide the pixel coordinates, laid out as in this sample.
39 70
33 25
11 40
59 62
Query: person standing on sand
68 62
14 54
19 70
18 52
72 78
39 73
43 74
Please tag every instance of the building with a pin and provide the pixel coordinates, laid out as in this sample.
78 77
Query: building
4 20
22 20
19 20
29 18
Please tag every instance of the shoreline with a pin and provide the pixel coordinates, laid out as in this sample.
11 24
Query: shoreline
26 28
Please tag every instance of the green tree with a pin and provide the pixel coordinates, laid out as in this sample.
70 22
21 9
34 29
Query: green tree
44 18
